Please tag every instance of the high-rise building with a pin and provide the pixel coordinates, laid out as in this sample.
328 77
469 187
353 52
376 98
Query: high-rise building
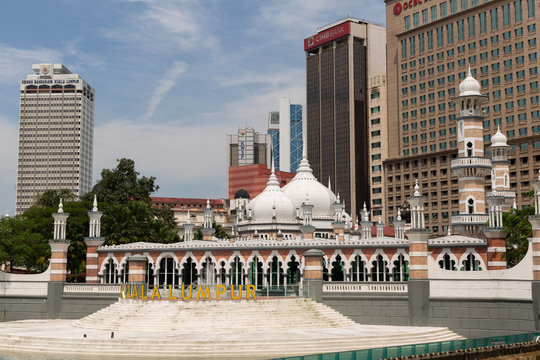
56 134
340 61
246 147
430 47
285 128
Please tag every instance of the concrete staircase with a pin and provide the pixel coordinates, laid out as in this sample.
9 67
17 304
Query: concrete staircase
208 329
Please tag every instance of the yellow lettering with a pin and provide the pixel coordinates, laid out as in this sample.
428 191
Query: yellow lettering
135 294
190 292
239 292
143 293
220 289
250 290
203 293
155 293
170 294
127 291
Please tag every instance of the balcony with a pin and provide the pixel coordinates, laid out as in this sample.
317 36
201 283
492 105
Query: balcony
469 219
508 196
471 166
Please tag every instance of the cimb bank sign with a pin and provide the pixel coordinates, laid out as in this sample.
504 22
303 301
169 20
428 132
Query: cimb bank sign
326 36
139 292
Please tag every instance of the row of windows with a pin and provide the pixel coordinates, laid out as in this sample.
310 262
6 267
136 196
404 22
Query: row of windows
427 40
443 12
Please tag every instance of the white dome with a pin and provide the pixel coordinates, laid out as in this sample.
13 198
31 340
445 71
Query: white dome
262 205
469 86
305 184
498 139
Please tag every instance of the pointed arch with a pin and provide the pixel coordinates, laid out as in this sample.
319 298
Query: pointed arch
446 259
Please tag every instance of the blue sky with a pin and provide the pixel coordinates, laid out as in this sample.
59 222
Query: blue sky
172 78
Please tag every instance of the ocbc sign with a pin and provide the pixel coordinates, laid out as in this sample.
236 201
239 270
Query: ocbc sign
402 6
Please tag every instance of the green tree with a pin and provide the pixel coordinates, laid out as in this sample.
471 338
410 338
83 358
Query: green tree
51 198
518 230
123 184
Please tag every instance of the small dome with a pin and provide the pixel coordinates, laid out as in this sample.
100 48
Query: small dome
272 196
498 139
304 183
241 194
469 86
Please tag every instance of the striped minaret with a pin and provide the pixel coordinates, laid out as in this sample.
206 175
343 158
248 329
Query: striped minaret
93 241
499 200
418 237
471 166
59 246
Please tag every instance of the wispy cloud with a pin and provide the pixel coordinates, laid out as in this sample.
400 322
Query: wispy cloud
165 25
16 62
164 86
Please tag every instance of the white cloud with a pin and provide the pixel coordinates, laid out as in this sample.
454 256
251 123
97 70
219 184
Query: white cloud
16 63
165 25
164 86
185 160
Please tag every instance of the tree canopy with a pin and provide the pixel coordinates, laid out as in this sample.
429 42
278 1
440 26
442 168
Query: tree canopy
123 197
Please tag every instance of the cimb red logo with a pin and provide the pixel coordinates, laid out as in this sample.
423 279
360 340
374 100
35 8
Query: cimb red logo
402 6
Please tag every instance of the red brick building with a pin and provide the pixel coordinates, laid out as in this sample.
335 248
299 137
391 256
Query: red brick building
253 178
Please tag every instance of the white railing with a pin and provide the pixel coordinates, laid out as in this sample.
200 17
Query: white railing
365 288
92 288
470 219
471 161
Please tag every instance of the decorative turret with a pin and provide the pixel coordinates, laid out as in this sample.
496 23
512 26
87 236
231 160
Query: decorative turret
470 166
500 173
93 242
418 236
59 245
188 228
208 220
399 227
366 224
338 224
380 228
307 227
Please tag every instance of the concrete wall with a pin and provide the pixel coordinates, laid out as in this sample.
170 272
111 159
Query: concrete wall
467 317
76 307
22 308
373 310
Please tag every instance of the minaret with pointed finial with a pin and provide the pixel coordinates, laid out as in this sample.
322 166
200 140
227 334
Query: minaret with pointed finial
188 228
93 242
307 227
471 166
59 246
208 220
365 223
399 226
338 225
418 236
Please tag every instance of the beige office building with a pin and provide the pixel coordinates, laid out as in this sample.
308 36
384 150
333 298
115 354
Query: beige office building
431 44
56 134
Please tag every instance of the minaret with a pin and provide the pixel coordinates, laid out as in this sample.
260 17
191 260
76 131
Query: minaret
499 200
338 225
399 227
208 220
500 173
188 228
471 166
93 242
307 227
59 246
365 223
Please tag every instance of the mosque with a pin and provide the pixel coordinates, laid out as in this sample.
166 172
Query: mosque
274 230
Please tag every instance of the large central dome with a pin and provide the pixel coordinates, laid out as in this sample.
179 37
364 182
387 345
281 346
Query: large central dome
272 197
305 184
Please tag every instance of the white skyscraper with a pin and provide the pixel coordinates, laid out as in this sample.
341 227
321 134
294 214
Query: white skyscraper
56 134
